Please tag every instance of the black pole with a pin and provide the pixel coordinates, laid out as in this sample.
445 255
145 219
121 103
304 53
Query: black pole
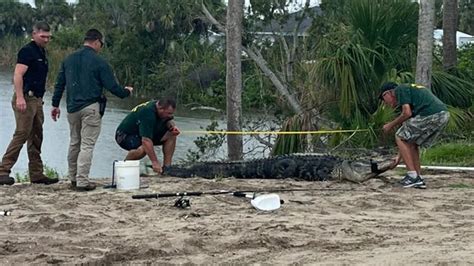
112 185
239 193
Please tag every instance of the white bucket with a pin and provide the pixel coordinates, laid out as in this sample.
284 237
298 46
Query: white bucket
127 174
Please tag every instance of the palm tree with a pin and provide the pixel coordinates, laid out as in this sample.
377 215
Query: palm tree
424 59
450 20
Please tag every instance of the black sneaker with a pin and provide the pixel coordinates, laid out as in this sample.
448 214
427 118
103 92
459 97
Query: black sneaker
165 169
88 187
7 180
45 181
416 182
421 184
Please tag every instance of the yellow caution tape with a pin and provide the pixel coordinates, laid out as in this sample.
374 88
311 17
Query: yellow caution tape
224 132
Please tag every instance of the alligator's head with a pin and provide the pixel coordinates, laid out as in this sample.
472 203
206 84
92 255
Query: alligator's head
357 171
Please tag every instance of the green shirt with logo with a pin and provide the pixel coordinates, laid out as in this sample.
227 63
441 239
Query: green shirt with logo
144 121
421 100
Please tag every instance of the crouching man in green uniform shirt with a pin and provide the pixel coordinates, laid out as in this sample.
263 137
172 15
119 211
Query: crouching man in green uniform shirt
147 125
423 116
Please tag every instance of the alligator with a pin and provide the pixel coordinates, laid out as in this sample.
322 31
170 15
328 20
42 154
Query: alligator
309 167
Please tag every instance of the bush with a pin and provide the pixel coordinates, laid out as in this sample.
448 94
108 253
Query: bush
449 154
9 47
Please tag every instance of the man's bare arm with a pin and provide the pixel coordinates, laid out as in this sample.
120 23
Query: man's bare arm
20 71
405 115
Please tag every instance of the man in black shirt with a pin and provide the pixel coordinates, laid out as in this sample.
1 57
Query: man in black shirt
29 81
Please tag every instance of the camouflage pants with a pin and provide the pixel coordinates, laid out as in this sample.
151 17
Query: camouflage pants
423 130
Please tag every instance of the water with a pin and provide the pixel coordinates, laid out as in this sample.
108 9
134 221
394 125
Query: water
56 134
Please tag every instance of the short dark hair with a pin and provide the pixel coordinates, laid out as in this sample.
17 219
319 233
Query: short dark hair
386 87
92 35
166 102
41 25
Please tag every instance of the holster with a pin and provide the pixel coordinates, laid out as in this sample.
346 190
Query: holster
102 104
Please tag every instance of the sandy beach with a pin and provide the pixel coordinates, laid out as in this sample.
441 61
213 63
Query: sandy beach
376 223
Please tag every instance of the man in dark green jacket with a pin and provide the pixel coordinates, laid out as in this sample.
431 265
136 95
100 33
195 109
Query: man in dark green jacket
83 75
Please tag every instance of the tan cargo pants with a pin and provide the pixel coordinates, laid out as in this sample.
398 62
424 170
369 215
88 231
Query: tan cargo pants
29 129
84 128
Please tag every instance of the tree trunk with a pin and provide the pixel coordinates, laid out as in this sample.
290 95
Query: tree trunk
234 77
279 85
263 65
424 58
450 22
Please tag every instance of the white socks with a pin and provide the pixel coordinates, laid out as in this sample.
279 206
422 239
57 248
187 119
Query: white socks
412 174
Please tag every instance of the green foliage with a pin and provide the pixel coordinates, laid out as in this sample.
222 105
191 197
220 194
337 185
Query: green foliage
371 138
353 61
465 60
208 145
452 90
466 19
50 172
57 13
9 47
287 144
55 57
295 143
22 178
15 18
67 38
461 123
47 171
449 154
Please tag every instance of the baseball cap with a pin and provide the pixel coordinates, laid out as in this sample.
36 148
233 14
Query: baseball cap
92 35
386 87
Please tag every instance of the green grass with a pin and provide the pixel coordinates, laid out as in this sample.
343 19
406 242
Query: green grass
48 171
449 154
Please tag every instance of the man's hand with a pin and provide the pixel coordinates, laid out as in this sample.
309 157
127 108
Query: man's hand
175 131
395 162
157 167
130 89
55 112
387 127
20 104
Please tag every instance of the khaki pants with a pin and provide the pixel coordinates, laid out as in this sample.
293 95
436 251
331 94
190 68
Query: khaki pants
29 129
85 129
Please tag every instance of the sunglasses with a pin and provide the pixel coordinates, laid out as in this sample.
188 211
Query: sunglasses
101 43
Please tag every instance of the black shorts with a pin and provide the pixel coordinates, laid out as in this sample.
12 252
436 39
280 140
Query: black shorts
132 142
128 142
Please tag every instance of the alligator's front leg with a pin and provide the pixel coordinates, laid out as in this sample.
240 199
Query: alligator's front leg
360 172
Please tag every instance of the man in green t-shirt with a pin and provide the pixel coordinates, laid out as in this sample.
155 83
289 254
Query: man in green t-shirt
423 116
147 125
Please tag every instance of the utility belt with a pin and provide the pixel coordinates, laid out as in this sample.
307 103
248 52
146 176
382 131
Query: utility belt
28 90
30 94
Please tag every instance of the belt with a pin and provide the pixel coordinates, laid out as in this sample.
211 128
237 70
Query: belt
32 94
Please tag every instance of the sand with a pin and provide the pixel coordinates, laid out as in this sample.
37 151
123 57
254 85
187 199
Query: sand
375 223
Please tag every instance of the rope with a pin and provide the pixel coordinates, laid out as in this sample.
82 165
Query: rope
225 132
